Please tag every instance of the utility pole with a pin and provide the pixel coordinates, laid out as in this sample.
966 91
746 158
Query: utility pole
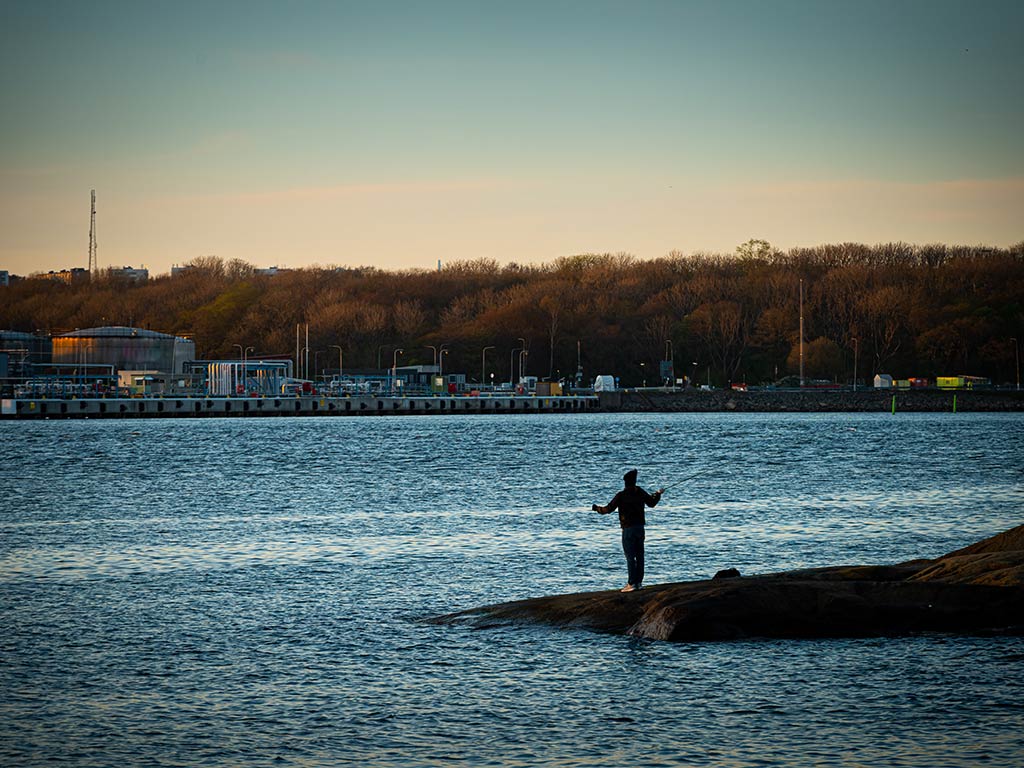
1016 357
483 364
855 363
801 333
521 358
341 358
93 266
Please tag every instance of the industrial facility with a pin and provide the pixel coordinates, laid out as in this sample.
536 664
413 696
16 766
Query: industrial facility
92 361
120 371
129 362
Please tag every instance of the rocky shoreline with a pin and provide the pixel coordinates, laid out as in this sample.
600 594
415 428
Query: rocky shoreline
810 400
978 589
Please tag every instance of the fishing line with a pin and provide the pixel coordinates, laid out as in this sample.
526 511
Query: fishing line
688 477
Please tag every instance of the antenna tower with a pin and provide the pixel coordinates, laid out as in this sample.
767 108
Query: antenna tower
93 266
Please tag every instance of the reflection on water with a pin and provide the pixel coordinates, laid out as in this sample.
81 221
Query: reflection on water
248 592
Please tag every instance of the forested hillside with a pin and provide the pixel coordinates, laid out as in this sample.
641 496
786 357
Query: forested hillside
907 310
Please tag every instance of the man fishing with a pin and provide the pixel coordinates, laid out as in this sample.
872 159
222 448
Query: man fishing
630 503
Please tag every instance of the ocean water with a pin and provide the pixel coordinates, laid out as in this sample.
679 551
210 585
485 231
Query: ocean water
231 592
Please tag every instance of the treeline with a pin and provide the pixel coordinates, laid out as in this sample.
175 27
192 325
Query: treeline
906 310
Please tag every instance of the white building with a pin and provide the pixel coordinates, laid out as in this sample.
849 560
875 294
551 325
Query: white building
130 273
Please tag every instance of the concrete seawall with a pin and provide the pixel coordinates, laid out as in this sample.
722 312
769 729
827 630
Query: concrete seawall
622 401
808 400
363 405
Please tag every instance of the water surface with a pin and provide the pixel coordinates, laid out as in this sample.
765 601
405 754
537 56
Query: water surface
248 592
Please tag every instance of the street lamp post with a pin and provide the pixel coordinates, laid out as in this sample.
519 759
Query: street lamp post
340 359
304 355
1016 357
512 368
854 363
483 364
523 353
801 336
316 362
245 367
241 355
394 369
440 359
643 373
433 349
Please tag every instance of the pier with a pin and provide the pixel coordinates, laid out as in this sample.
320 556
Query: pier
352 405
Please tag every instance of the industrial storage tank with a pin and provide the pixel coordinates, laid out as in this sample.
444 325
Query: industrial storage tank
184 352
20 351
34 349
127 349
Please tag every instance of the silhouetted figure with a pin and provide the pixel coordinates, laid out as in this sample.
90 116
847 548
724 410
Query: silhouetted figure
630 503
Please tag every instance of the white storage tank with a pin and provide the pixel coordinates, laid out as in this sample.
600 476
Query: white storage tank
125 348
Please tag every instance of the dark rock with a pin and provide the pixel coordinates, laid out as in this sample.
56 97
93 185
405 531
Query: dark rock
727 573
974 590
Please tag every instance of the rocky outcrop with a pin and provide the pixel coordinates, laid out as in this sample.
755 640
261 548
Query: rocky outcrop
978 589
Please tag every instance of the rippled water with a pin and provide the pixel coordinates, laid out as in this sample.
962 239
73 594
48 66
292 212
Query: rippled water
248 592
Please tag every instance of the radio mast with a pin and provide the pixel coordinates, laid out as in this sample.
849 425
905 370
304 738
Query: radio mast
93 266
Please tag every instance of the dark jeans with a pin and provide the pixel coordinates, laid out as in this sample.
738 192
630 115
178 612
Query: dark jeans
633 547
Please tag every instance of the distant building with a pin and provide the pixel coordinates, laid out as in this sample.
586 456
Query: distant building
180 270
269 271
69 276
883 381
130 273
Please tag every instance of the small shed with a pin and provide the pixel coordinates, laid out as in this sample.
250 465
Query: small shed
883 381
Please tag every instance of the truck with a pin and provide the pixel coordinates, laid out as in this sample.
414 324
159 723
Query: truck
963 382
604 383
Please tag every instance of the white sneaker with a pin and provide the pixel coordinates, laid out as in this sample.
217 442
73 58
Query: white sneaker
627 588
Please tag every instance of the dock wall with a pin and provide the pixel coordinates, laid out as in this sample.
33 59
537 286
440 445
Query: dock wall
622 401
362 405
809 400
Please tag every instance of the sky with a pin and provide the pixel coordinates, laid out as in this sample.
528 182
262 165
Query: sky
398 134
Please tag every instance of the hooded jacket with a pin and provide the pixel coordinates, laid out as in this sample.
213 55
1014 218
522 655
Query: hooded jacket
630 502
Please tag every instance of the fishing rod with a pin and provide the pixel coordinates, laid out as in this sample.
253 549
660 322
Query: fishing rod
688 477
